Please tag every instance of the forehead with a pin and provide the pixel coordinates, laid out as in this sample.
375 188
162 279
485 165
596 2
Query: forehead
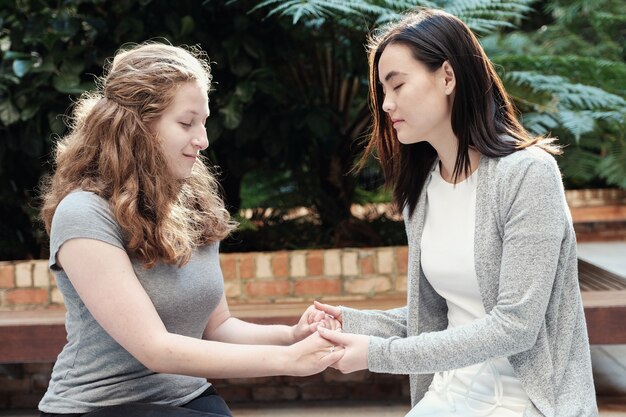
395 59
190 96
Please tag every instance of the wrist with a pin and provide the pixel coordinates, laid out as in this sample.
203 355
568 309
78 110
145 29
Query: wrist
292 335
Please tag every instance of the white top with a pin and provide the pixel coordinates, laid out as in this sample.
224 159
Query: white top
447 256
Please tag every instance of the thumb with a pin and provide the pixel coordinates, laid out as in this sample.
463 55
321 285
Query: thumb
328 309
335 337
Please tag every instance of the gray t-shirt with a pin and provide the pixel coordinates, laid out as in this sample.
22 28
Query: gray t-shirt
93 370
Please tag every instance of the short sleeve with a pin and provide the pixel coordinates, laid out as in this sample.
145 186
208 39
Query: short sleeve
85 215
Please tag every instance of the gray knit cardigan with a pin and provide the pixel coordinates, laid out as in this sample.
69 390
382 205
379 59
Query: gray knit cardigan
526 264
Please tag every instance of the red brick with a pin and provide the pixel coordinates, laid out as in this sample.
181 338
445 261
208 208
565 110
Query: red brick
246 266
7 275
333 375
298 381
233 394
402 259
366 265
264 380
324 392
26 296
38 368
318 287
315 263
25 400
380 390
267 288
276 393
40 383
228 263
14 385
280 264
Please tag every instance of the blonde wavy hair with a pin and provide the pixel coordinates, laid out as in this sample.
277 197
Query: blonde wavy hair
112 152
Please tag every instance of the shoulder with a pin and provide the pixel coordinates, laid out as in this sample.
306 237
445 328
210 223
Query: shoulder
79 200
83 207
526 166
529 160
83 214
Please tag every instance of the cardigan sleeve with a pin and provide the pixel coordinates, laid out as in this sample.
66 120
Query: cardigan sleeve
535 218
380 323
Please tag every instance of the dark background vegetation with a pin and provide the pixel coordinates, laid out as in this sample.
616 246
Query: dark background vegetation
289 109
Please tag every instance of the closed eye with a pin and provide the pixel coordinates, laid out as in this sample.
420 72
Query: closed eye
397 87
185 124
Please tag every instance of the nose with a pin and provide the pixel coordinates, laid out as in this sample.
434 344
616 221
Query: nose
388 104
200 141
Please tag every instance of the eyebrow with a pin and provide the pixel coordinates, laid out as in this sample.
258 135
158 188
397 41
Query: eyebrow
393 74
194 112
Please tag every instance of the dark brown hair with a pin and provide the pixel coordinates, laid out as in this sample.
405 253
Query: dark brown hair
483 116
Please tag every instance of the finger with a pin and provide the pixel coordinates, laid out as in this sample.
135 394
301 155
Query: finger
335 337
313 326
327 308
310 313
332 357
319 315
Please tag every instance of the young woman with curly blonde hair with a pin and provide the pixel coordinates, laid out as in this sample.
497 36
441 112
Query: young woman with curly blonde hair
134 219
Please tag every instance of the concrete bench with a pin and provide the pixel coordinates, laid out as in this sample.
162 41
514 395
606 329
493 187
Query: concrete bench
39 335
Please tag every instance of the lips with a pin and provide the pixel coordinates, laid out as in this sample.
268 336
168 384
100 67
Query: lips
396 122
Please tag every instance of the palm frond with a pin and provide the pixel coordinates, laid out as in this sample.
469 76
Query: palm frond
486 16
577 108
570 95
482 16
606 74
612 166
315 9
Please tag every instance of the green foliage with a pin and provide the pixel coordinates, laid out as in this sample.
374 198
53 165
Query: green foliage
289 106
567 79
51 53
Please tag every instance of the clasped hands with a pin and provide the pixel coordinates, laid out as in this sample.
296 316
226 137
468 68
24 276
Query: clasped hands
320 343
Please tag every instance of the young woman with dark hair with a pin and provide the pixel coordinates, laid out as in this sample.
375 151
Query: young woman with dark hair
494 323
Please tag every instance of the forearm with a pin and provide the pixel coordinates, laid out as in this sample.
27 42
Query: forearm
233 330
381 323
177 354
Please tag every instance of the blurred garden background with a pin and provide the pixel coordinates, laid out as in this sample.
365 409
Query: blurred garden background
289 110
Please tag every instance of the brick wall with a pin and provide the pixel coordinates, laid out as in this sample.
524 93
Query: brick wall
337 274
278 277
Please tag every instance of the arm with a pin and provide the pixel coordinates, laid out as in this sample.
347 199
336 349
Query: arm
534 225
222 327
103 276
381 323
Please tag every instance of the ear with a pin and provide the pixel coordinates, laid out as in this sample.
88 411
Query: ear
449 80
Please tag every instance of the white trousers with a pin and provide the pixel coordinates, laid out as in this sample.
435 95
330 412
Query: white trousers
447 398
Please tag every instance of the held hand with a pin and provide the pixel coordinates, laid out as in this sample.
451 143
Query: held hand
307 324
328 309
311 356
356 349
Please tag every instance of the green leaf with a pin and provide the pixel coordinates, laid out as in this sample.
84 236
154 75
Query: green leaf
29 111
9 55
67 83
8 113
187 25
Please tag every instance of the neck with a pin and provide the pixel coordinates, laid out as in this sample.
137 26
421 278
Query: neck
447 153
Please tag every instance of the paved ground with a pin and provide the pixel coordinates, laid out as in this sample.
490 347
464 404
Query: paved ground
612 408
